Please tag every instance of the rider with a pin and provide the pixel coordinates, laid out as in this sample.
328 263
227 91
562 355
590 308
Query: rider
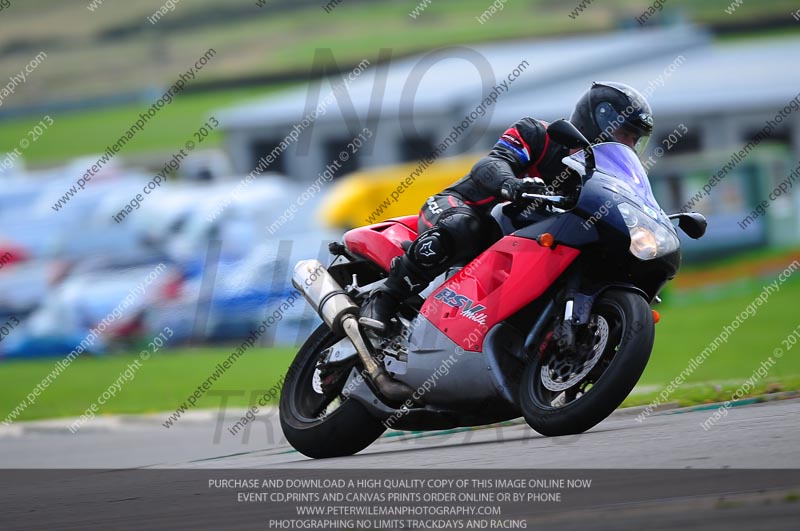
455 225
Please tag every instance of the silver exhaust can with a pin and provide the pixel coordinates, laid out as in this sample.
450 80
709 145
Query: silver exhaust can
339 312
323 293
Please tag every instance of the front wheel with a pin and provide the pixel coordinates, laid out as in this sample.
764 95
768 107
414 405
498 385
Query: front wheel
322 424
568 394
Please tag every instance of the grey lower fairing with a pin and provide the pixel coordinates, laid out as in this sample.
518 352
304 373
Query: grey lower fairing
458 388
505 354
443 373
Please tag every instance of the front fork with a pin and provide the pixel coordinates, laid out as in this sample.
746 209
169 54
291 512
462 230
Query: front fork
572 311
577 307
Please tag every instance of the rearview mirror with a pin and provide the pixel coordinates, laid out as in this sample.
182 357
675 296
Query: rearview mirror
566 134
692 223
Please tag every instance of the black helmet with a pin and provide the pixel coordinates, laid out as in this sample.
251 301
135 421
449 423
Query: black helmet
609 109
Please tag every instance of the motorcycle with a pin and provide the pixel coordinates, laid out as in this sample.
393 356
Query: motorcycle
553 322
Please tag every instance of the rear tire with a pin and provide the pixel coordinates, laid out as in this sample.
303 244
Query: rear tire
629 341
345 431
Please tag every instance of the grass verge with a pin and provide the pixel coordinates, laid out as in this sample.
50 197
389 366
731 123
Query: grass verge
90 132
160 384
165 380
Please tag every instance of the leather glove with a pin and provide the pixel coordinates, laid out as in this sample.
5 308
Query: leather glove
513 189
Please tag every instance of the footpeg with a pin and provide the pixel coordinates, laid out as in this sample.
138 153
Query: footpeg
372 324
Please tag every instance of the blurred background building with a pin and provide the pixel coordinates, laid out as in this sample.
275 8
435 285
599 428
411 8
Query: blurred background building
713 98
80 73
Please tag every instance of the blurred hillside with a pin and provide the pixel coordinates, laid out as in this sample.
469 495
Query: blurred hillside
113 48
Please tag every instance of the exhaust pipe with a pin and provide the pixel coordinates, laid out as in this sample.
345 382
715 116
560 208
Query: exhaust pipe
339 312
324 294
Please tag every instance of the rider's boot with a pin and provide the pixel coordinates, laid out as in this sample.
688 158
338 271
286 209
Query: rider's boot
404 280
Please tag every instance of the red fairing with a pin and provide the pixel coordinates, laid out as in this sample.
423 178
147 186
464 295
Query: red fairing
505 278
380 243
408 221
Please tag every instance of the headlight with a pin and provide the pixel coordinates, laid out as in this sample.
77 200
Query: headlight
643 243
649 239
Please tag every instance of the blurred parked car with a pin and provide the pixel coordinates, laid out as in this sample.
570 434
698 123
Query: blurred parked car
82 301
225 301
226 270
24 286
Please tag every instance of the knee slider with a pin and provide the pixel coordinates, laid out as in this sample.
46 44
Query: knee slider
433 247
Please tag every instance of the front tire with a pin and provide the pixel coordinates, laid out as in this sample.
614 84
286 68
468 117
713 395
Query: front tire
627 322
346 430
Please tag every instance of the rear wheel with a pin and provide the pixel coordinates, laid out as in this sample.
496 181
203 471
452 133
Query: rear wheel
564 395
322 424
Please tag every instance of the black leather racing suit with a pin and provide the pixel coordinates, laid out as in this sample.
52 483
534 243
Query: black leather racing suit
455 226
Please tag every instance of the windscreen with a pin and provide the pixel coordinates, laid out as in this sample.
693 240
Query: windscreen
620 162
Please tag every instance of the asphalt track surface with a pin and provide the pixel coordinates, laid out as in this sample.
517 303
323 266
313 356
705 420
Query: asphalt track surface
762 435
642 493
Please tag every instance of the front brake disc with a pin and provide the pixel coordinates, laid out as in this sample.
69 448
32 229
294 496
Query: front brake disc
562 373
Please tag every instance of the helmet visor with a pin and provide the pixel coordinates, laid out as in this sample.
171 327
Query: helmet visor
620 128
632 137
